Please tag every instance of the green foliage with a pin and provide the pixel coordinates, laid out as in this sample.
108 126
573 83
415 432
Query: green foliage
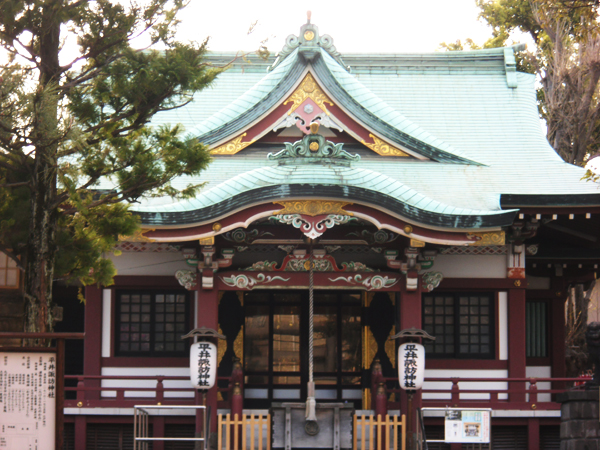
74 126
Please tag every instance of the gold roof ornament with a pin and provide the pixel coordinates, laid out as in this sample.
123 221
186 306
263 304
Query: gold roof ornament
308 88
383 148
487 239
232 147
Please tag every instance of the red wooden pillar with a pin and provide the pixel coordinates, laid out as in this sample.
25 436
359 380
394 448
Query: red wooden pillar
158 430
556 348
410 316
208 316
533 434
80 432
516 340
92 358
92 344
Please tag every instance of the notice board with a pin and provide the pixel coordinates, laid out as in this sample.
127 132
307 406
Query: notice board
27 400
467 426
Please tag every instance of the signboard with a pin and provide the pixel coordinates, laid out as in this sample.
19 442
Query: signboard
468 426
411 366
203 365
27 401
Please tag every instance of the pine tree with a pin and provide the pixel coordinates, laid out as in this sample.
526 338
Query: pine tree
75 142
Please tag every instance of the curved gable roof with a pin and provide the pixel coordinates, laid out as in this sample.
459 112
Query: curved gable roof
347 93
358 185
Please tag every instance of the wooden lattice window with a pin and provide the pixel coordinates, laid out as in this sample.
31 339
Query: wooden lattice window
9 273
536 316
152 323
463 325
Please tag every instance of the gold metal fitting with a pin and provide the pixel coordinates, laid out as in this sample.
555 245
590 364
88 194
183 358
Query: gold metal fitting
207 241
517 283
309 35
533 406
314 129
408 229
79 404
217 226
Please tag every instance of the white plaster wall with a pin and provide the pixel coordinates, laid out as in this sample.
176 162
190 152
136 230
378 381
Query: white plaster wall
503 325
465 385
137 263
106 322
471 266
147 371
540 372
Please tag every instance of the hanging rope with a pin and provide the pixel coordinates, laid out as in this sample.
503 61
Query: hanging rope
311 300
310 401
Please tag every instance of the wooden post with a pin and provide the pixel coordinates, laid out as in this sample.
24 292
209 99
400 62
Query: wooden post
158 430
207 315
533 433
410 316
376 379
92 346
556 346
59 392
80 433
516 341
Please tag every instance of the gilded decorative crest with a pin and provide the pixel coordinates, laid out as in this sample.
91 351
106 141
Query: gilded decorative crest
313 207
383 148
313 148
308 89
487 239
138 236
231 147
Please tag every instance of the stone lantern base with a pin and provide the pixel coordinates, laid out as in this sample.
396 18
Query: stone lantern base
580 426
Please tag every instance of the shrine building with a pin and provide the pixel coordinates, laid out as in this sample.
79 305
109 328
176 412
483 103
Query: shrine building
399 191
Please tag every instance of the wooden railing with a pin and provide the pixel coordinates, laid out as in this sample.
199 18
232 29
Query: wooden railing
250 432
520 393
379 433
89 391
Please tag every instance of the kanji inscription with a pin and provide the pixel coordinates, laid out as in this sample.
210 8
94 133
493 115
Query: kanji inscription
27 401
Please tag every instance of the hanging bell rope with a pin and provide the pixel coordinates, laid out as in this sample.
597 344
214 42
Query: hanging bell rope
311 403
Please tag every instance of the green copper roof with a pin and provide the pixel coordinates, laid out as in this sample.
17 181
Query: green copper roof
468 105
262 96
369 187
345 89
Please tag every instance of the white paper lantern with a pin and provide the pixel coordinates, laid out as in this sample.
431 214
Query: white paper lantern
203 365
411 366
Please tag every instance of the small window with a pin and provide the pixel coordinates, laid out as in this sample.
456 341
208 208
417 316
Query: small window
463 325
152 323
9 273
536 319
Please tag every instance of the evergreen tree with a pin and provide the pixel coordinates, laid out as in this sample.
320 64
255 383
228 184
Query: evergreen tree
75 145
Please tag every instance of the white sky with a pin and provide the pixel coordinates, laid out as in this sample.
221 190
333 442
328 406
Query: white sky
392 26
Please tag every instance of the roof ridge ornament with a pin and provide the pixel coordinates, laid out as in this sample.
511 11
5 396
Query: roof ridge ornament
314 148
308 43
